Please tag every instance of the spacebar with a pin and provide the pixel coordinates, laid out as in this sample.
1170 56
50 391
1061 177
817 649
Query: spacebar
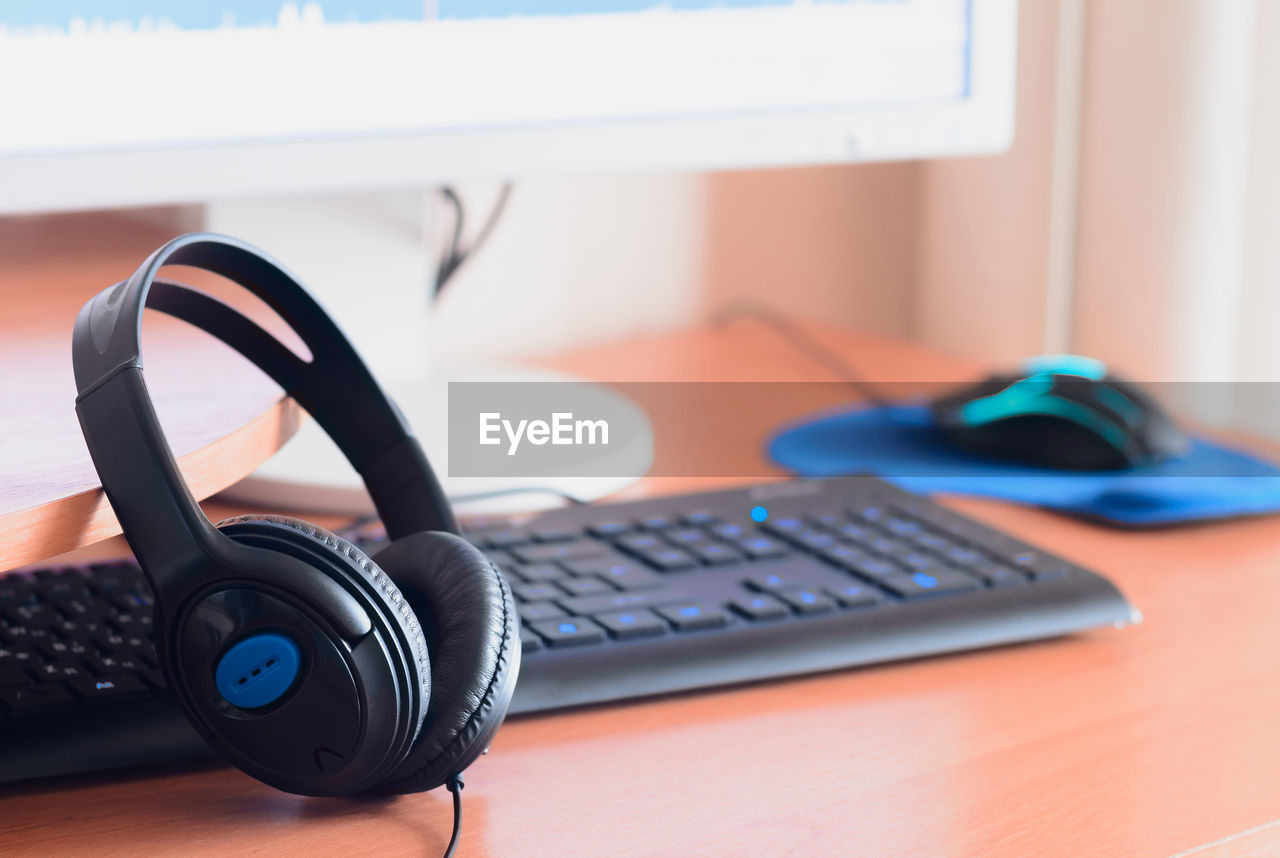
622 601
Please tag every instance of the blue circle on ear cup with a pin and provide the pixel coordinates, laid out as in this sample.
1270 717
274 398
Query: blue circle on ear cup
257 670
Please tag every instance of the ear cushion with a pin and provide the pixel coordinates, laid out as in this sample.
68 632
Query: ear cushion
378 587
472 630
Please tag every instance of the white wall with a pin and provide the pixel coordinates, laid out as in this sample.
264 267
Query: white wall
576 261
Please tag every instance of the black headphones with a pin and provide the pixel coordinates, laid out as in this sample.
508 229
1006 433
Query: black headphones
309 665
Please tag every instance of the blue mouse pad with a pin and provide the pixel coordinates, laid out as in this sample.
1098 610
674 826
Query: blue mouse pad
901 444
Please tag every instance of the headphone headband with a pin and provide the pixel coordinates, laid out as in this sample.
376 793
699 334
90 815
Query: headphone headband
135 461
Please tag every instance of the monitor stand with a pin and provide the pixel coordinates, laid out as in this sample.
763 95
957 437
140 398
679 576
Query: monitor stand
367 258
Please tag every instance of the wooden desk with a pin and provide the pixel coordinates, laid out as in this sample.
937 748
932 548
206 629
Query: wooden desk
1161 738
223 417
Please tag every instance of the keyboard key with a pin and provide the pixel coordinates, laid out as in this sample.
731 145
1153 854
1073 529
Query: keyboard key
730 531
871 512
54 671
902 526
132 602
687 536
918 562
715 553
34 699
784 527
536 573
656 522
874 567
669 559
1039 566
534 612
759 607
623 601
548 533
529 642
587 586
807 601
772 581
698 518
77 630
107 665
887 546
998 574
814 540
23 636
28 615
920 584
763 548
18 657
962 556
543 552
858 533
503 538
536 592
628 625
845 556
934 542
56 650
693 617
118 687
609 529
13 676
630 577
639 543
856 595
575 632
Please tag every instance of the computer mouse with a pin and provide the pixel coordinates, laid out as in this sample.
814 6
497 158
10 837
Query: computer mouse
1061 411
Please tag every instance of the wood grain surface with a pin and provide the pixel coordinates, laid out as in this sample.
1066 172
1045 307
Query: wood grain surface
223 417
1160 739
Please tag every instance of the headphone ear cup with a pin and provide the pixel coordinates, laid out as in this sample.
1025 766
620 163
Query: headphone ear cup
339 558
469 616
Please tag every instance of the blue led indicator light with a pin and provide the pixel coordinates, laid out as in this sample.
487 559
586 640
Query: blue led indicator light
928 582
567 628
759 513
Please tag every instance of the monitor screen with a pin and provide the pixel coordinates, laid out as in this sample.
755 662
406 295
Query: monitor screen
489 87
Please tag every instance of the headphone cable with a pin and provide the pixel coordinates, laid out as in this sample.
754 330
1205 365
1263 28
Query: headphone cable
454 785
801 341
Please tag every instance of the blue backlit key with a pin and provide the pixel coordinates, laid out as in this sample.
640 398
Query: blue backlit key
804 600
759 607
626 625
914 585
569 632
694 616
856 595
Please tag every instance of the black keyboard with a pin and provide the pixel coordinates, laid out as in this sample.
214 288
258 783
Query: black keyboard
617 601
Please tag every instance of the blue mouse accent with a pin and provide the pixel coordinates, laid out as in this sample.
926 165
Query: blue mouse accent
1085 367
1012 402
258 670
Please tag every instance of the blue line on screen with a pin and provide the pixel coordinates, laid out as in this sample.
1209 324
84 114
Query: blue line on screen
505 8
197 15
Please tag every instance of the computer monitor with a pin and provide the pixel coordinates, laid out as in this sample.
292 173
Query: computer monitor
138 102
253 107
